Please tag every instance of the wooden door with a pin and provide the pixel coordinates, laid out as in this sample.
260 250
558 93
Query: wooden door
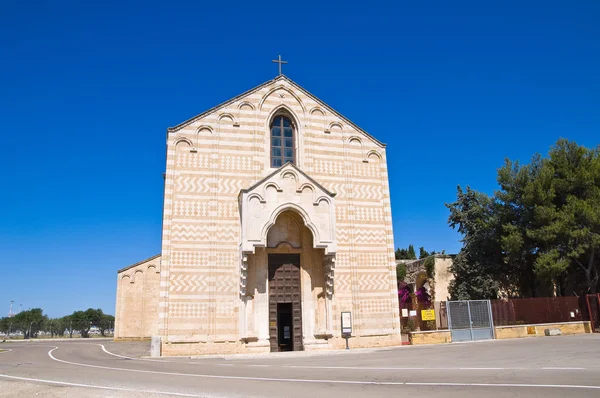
284 288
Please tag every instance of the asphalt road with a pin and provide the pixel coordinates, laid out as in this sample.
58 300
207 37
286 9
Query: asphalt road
533 367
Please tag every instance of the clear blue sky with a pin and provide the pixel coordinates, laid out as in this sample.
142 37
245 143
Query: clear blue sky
88 89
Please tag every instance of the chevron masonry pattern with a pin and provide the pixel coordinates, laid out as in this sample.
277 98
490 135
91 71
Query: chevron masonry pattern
370 236
195 283
227 233
193 184
371 192
182 232
230 185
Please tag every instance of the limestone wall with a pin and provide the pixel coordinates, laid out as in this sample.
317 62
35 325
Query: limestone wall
443 277
136 314
210 158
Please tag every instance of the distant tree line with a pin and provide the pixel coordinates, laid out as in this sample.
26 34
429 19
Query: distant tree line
31 322
538 235
409 253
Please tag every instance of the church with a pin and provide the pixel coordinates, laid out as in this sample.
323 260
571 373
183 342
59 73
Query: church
276 221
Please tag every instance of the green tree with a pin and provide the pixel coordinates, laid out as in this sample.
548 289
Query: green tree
106 322
30 322
541 229
423 253
401 254
84 320
411 252
478 266
567 216
400 272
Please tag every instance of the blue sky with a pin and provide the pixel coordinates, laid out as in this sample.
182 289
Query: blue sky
87 91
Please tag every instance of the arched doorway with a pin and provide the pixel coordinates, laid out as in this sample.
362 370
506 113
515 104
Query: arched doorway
285 242
285 302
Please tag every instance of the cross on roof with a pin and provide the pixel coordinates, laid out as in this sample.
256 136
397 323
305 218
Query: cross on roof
279 61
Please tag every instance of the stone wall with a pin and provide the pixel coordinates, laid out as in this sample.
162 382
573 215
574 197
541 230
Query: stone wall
211 157
136 314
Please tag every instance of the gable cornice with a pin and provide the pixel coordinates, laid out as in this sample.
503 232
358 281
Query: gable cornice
279 170
292 83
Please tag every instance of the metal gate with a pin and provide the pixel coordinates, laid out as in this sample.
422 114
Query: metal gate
470 320
593 307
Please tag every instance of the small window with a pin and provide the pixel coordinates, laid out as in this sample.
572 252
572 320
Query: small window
282 141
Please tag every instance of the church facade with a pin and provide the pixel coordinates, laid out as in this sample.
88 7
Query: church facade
277 218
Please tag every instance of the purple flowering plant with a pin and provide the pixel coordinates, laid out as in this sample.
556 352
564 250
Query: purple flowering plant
403 293
423 296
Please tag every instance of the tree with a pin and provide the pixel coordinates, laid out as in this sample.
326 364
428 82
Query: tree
540 230
400 272
567 224
30 322
84 320
5 325
423 253
401 254
477 268
411 252
106 322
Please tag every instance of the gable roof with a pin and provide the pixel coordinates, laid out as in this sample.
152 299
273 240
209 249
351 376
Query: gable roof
138 263
293 166
278 78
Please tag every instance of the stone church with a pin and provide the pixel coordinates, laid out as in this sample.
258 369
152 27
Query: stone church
276 219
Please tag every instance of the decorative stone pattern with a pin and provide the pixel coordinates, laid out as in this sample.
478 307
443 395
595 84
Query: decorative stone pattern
214 239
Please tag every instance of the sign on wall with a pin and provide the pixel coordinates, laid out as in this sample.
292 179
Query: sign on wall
428 315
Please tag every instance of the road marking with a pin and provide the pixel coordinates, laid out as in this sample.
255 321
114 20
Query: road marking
325 381
223 364
131 358
414 368
550 368
64 383
5 350
259 366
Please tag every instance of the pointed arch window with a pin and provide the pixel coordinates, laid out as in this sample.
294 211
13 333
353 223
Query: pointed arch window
283 148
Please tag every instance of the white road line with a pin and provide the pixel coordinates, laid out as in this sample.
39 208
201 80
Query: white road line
132 358
414 368
550 368
5 350
259 366
64 383
324 381
223 364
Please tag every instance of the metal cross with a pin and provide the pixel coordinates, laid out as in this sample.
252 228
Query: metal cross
279 61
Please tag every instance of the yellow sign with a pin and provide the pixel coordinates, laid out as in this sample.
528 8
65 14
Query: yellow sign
273 324
428 315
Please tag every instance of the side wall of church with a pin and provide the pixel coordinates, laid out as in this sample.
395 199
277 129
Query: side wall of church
211 159
136 314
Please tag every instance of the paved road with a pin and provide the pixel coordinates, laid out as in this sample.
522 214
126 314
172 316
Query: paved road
535 367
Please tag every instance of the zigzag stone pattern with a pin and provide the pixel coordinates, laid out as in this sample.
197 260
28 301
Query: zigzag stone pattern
210 159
